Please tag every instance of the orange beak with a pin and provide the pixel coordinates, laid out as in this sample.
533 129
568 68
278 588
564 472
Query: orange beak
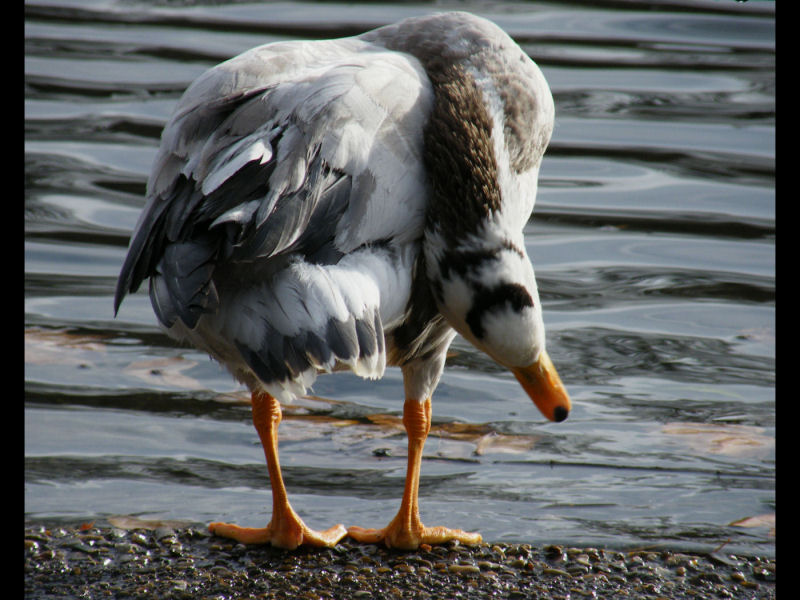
542 383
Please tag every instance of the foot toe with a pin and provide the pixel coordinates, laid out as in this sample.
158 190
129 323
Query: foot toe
365 536
245 535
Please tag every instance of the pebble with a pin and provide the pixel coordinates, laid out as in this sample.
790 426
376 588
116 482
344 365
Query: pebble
583 559
463 569
138 538
185 563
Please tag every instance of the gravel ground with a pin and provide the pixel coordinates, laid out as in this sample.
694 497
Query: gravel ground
104 561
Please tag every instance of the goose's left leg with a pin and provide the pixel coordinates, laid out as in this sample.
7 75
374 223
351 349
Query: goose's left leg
286 529
406 531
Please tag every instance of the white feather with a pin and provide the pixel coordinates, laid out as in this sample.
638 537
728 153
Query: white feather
356 109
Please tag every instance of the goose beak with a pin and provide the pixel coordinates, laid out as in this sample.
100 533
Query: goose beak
542 383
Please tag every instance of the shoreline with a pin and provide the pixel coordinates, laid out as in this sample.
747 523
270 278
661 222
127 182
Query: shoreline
105 561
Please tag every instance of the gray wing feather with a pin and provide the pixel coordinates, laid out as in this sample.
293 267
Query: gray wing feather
301 148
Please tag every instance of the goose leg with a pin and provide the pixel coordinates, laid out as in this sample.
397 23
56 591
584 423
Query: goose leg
406 530
286 529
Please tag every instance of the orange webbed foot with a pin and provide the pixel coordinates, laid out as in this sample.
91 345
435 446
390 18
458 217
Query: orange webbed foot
406 531
289 534
286 529
411 537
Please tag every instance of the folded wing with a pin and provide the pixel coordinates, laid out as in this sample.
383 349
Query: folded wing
300 151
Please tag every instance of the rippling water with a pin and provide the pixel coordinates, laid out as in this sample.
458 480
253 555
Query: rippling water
653 243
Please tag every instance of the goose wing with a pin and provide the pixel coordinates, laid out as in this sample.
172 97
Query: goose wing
310 147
